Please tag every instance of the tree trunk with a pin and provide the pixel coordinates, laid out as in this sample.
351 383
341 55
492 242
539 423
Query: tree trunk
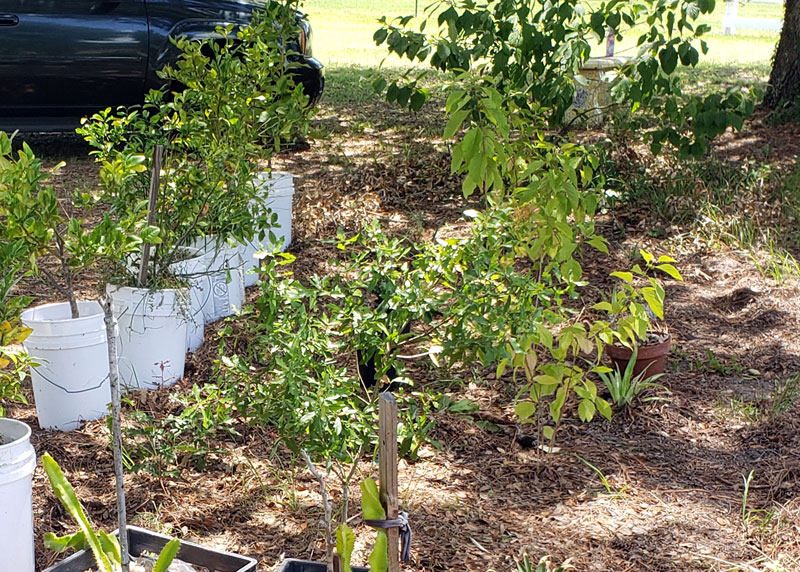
784 81
116 432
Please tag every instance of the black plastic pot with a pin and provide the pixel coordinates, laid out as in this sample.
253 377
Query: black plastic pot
293 565
141 540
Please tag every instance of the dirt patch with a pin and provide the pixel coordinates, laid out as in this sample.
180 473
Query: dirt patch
777 144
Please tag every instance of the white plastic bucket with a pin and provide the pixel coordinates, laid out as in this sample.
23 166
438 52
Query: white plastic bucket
276 194
17 462
195 271
151 336
70 384
250 261
223 291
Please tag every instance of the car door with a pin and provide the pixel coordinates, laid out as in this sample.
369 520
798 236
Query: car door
72 54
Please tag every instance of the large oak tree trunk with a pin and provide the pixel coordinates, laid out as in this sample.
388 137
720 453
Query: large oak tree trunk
785 77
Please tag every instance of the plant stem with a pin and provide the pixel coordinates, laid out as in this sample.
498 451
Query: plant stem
68 289
152 204
345 479
51 281
116 433
328 510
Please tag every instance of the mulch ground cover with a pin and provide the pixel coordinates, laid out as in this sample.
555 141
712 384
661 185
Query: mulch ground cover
659 488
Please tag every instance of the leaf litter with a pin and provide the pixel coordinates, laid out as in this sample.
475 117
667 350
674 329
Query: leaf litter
672 494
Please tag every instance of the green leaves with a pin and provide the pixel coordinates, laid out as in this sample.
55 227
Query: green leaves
626 276
627 305
655 300
168 554
13 359
69 500
624 387
670 270
32 217
668 57
586 410
603 407
533 52
380 36
110 546
372 509
405 95
239 94
371 506
379 558
5 144
61 544
454 123
105 548
345 542
524 410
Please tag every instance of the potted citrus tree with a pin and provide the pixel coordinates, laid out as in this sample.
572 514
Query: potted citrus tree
67 341
282 116
201 192
104 552
245 78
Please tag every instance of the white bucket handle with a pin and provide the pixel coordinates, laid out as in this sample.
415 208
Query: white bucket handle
74 391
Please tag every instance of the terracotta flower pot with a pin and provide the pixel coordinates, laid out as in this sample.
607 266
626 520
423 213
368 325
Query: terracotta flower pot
653 358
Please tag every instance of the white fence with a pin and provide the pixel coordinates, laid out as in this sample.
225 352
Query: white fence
732 21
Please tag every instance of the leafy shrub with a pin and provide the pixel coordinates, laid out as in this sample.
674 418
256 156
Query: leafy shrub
33 218
630 307
238 102
186 435
532 52
13 360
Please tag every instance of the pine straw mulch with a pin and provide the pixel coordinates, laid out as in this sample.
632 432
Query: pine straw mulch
671 493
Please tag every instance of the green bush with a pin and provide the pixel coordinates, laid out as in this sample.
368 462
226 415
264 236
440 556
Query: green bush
237 104
13 360
532 52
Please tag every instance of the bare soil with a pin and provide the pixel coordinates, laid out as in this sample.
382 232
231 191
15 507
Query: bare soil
673 469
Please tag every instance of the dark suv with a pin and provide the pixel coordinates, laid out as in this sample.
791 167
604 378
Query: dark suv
62 59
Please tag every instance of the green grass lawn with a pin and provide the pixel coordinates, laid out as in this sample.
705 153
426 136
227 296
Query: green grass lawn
343 32
343 29
746 47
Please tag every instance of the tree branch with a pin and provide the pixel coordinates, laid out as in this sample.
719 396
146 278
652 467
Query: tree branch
327 507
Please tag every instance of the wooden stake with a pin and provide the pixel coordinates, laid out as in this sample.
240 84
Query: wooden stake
152 202
387 418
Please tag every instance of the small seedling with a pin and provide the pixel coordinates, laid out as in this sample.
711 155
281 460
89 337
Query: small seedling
105 547
746 513
610 489
786 394
739 408
624 387
724 366
544 565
